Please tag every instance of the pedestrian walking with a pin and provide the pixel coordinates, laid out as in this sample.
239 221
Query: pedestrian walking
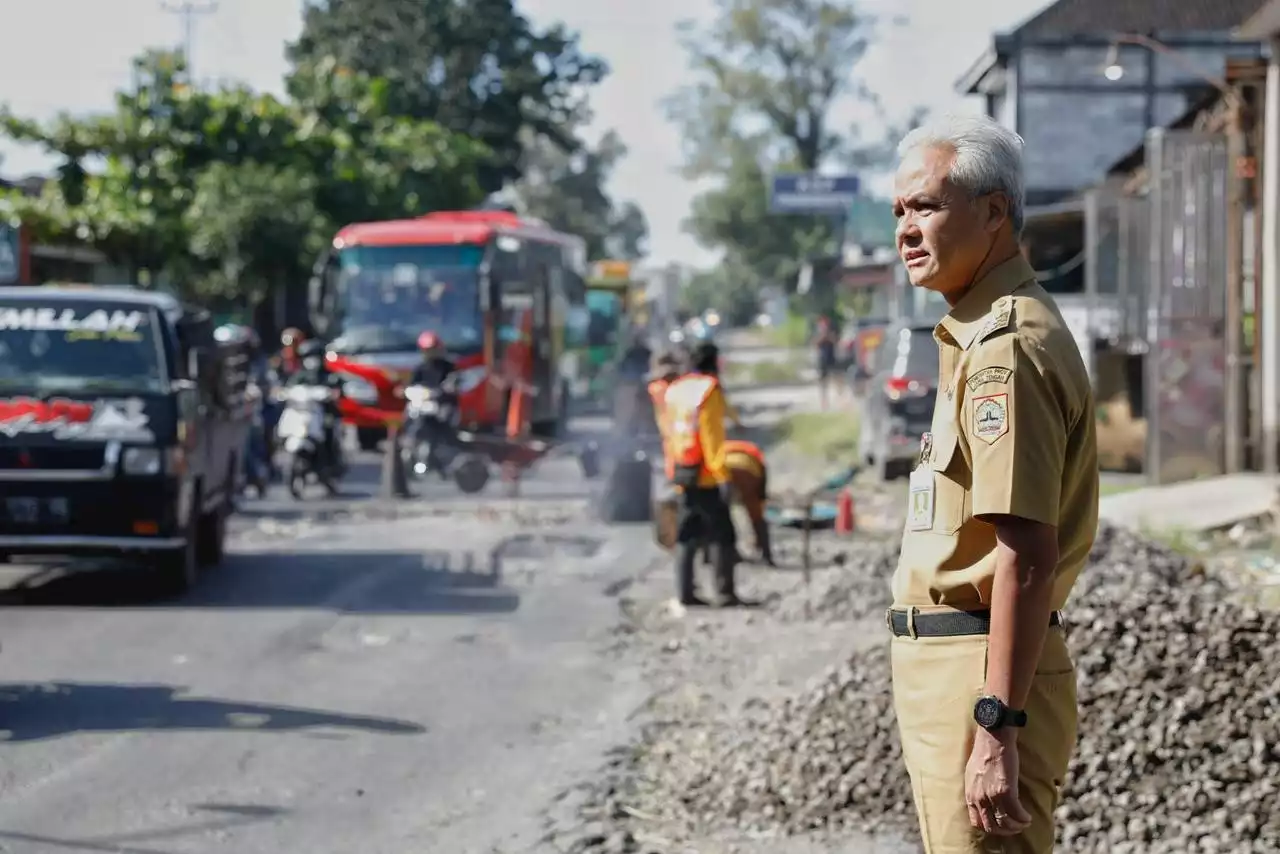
1002 508
824 344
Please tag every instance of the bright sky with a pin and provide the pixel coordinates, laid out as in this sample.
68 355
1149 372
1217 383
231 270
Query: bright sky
244 40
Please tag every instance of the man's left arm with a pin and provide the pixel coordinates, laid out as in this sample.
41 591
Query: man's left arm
1016 430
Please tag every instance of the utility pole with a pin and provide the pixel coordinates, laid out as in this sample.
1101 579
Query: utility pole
189 10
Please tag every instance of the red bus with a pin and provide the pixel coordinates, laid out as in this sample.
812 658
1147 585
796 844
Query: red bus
489 283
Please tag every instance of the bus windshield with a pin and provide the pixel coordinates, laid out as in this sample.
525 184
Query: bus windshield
392 294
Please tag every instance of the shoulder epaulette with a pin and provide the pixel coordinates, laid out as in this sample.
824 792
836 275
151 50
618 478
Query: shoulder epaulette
1000 319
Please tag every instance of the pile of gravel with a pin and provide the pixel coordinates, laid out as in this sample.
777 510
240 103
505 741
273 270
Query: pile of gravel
854 584
1179 746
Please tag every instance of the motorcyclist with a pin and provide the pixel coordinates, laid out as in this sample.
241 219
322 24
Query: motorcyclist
312 371
436 366
435 371
290 361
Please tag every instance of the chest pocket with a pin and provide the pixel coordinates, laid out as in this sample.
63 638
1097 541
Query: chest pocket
951 480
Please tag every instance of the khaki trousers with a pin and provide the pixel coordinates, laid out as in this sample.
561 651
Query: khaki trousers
935 684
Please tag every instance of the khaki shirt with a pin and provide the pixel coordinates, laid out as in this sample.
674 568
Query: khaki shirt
1013 433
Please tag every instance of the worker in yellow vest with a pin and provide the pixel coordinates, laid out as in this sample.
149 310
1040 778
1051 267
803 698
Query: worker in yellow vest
694 409
750 475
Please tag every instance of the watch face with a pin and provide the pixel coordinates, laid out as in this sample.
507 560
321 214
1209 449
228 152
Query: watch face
987 712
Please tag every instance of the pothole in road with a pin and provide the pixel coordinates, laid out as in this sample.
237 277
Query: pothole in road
546 546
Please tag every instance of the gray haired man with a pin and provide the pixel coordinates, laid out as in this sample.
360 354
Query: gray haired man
1002 511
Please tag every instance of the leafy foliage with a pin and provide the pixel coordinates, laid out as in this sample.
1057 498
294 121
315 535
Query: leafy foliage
395 108
481 69
567 190
768 76
475 67
230 187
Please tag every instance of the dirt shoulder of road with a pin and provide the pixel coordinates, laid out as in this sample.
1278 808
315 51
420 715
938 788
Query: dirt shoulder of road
712 670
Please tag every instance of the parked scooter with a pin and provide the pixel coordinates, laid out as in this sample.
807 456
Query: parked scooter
307 432
431 421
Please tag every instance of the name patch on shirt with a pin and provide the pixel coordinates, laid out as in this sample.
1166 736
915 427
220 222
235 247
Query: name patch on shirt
989 375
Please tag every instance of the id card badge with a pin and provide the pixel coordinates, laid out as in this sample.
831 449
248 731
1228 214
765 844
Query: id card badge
920 499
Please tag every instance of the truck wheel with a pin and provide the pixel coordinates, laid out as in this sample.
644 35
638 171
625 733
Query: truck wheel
177 570
213 534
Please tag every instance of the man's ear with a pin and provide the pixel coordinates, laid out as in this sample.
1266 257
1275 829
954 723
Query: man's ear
997 211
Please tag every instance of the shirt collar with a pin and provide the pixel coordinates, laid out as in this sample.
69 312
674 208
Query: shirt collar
966 318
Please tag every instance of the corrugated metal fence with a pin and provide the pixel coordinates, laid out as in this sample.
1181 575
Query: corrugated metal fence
1157 282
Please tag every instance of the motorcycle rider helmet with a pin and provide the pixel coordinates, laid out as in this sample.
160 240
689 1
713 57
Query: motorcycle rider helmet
428 342
312 355
292 337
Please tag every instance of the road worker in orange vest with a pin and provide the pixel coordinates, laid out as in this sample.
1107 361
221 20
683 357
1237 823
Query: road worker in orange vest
750 476
694 409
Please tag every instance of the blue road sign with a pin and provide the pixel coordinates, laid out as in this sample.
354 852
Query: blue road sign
813 194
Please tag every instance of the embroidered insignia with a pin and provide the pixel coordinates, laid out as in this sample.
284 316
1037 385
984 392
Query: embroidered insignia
991 417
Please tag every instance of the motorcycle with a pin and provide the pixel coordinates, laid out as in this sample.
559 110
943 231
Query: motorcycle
304 431
431 423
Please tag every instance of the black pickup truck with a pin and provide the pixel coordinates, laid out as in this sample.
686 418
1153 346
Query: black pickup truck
120 433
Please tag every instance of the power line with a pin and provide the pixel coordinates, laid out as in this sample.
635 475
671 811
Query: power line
189 10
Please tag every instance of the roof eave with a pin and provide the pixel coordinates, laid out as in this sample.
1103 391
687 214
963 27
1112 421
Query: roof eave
975 78
1263 25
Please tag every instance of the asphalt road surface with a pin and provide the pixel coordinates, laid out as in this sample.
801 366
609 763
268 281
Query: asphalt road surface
355 678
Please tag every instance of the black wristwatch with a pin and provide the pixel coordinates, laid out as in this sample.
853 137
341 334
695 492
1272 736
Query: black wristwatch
991 714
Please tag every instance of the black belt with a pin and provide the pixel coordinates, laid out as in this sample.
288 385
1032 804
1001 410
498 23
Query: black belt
911 623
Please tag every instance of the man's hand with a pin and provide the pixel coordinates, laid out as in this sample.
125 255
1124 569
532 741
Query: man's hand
991 784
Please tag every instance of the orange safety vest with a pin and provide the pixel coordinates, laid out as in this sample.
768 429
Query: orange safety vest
683 407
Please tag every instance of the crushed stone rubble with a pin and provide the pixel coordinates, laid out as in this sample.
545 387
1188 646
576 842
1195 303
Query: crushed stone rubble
1179 748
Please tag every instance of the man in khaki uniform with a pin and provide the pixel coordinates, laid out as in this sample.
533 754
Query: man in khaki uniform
1002 510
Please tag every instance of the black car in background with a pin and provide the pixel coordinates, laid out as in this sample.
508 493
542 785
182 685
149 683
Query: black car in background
122 424
902 384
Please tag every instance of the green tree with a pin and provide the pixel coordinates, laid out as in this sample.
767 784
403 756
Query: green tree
253 224
476 67
731 288
567 190
768 75
229 188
